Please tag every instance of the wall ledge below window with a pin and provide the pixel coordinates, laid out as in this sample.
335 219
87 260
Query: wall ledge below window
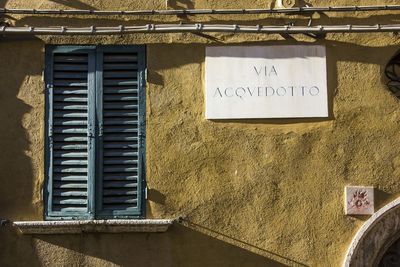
93 226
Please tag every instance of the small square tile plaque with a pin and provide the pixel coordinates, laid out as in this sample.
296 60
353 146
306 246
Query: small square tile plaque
359 200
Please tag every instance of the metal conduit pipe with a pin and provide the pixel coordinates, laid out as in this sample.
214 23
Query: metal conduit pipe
305 9
198 27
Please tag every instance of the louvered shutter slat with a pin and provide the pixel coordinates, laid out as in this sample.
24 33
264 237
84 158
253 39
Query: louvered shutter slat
119 129
66 106
119 74
119 90
70 122
70 162
112 161
69 201
59 58
117 177
118 192
70 75
118 153
63 154
120 141
119 184
69 178
120 200
64 98
75 185
69 91
117 170
121 122
111 107
115 97
117 137
117 145
117 66
67 138
71 146
71 83
63 114
70 130
120 82
59 66
117 58
65 193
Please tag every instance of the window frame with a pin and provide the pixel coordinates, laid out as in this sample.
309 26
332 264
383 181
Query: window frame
95 112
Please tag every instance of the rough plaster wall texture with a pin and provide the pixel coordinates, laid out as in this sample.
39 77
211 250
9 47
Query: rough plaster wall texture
287 177
255 193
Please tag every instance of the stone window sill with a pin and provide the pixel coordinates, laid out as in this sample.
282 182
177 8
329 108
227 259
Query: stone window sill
93 226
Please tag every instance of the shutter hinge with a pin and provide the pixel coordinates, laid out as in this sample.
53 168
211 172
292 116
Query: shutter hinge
90 136
50 130
145 193
90 131
141 139
100 129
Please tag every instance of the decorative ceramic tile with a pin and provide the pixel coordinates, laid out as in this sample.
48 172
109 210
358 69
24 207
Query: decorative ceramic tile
359 200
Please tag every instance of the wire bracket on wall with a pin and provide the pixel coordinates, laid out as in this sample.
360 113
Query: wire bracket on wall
392 72
4 222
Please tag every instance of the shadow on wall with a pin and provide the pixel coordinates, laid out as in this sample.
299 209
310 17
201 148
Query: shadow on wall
76 4
16 250
19 63
180 246
280 260
180 4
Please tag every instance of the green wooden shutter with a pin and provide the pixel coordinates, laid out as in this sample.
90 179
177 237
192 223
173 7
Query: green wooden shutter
121 121
69 131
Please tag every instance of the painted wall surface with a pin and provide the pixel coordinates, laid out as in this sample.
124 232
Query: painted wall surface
253 192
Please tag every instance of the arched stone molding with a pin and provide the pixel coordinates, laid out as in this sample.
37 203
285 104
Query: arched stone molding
375 237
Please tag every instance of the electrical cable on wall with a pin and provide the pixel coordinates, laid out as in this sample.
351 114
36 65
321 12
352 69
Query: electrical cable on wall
198 28
306 9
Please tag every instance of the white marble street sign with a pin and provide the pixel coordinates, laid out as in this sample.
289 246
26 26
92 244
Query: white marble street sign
246 82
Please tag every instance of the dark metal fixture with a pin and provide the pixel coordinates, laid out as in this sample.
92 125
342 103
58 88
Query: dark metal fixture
392 72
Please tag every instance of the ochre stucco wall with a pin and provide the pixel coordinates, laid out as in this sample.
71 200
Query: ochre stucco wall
254 193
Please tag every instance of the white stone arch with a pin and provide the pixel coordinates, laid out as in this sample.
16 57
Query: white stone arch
375 237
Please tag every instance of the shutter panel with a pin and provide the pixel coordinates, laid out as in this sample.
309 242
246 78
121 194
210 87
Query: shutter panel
69 79
120 110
